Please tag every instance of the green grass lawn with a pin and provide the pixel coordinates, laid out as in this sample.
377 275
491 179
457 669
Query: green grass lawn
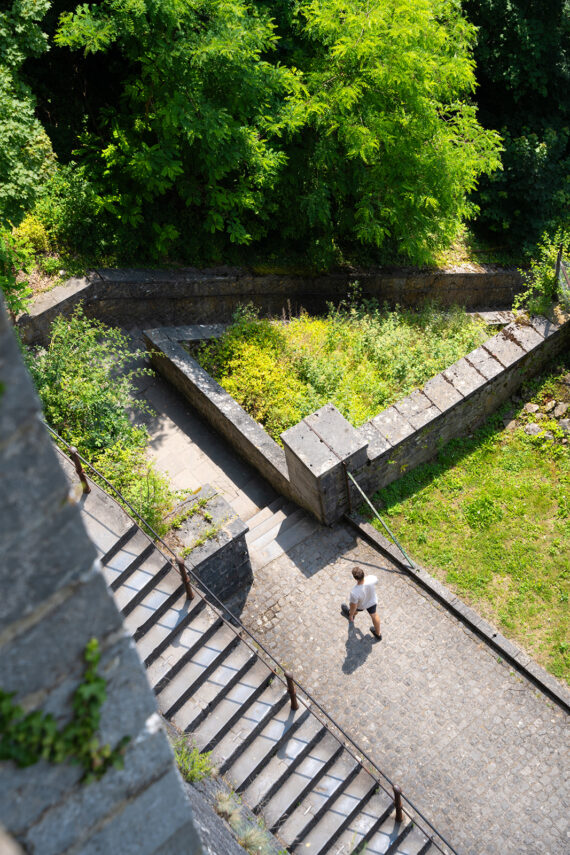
360 357
491 518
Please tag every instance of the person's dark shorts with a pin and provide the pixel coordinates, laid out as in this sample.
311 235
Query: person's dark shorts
371 610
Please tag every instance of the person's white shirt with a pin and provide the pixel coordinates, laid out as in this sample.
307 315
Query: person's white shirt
364 595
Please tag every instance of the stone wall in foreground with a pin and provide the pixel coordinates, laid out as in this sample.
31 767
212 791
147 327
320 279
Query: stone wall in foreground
53 600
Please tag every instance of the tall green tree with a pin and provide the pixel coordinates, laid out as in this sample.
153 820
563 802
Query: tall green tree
523 71
323 124
25 151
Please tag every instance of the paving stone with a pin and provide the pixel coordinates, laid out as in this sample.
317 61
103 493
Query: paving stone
392 426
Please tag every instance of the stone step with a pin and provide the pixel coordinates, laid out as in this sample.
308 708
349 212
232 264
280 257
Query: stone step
142 582
233 706
337 816
318 800
213 690
414 842
193 636
175 692
166 630
272 739
269 517
274 527
107 524
301 780
154 604
392 837
275 773
251 721
126 559
266 512
353 818
285 540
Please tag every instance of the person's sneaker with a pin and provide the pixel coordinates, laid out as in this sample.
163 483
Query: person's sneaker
377 635
345 610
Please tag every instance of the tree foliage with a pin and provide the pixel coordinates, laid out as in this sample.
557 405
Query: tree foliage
25 150
322 123
523 68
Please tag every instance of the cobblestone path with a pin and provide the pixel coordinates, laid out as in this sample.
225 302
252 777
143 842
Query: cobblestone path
479 750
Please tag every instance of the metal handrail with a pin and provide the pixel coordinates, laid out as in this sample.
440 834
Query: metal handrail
288 681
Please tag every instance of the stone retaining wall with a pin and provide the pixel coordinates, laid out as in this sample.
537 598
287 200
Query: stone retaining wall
310 470
53 600
130 297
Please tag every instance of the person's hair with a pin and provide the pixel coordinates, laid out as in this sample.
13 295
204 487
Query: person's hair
358 573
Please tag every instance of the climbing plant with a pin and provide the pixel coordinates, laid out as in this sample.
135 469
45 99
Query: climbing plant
26 738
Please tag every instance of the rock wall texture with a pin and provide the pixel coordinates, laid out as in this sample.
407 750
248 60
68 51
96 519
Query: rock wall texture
130 297
53 600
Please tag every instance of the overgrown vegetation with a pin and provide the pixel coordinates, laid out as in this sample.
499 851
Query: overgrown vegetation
193 764
26 738
542 289
361 357
87 395
491 518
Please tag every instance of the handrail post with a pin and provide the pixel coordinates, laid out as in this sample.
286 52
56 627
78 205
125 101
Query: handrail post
398 803
79 469
185 578
292 690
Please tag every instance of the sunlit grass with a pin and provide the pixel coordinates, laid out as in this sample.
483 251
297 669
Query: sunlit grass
491 518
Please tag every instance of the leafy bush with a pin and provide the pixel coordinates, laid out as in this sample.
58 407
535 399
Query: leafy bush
193 765
542 287
15 258
68 211
87 395
359 357
26 157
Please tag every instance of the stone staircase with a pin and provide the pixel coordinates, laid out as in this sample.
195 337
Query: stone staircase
275 529
312 793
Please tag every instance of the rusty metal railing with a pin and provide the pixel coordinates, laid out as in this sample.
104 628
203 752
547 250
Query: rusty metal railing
288 680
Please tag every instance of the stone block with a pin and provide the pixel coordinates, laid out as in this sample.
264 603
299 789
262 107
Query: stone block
441 393
143 826
35 573
70 820
525 335
29 469
19 404
339 434
417 409
26 794
304 447
377 444
484 363
392 426
543 326
463 377
51 648
503 348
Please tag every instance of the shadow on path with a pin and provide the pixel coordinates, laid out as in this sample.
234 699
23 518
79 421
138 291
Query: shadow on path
358 647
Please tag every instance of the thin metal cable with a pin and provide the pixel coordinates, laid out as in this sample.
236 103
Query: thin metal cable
360 754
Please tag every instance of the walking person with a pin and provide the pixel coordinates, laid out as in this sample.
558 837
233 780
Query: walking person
363 596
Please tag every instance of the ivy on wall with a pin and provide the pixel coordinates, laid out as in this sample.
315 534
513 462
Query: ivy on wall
26 738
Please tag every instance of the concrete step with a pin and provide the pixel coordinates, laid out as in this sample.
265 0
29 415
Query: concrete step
300 781
181 682
318 800
253 718
213 690
193 636
359 811
272 739
165 631
268 518
233 706
392 837
286 539
342 810
273 527
106 522
154 604
276 772
126 559
142 582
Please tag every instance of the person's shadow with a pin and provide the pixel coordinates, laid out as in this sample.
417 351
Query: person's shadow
358 647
